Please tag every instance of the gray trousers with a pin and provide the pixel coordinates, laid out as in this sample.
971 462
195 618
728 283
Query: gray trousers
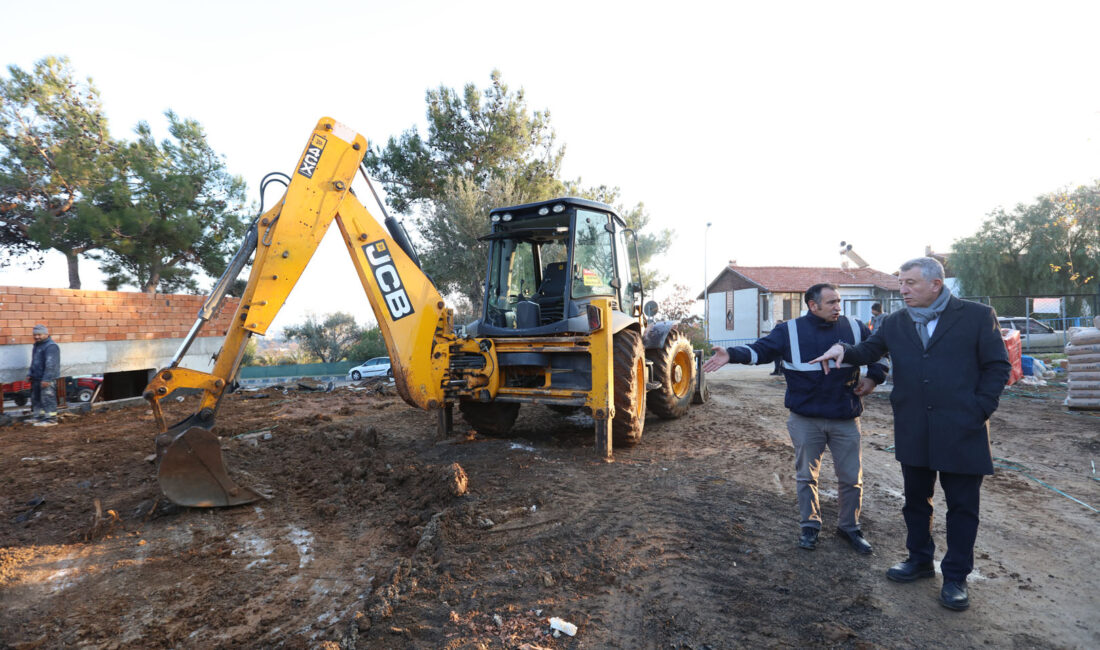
810 437
44 400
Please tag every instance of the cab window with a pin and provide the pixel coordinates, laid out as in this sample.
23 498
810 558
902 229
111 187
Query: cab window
593 256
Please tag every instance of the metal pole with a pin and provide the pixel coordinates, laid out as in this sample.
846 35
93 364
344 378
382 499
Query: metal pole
706 298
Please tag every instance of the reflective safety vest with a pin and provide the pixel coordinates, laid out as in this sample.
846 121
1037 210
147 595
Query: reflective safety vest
797 364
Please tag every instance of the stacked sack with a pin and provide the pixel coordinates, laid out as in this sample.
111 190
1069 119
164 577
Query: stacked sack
1083 356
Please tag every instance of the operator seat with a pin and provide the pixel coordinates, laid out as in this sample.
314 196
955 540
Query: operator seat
551 293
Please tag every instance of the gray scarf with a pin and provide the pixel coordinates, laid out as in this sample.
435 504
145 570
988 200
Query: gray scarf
923 315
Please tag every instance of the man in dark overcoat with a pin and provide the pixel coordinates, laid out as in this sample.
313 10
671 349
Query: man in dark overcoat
950 367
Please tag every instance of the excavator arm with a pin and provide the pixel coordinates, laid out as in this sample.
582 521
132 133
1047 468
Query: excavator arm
411 314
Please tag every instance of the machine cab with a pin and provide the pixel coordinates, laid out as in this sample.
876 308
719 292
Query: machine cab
547 260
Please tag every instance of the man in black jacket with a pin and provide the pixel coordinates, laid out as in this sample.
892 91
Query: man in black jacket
949 366
824 410
43 373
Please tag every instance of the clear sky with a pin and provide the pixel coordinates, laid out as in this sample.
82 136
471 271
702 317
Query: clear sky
790 126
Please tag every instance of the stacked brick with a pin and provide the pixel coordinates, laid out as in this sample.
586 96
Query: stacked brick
1083 355
75 316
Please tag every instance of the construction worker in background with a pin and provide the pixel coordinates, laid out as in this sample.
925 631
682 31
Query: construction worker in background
825 409
44 371
876 316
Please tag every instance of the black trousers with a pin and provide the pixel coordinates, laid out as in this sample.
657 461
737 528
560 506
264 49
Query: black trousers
961 492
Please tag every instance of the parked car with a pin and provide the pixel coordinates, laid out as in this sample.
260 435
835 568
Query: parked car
376 367
1034 334
77 389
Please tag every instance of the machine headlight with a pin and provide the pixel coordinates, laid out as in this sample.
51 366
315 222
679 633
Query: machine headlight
507 216
494 218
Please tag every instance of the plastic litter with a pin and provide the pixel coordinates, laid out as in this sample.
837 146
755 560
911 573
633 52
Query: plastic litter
565 627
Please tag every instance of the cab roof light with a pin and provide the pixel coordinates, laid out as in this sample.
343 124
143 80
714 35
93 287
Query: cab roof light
507 216
559 207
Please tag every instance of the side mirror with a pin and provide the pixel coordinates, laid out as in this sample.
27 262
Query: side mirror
650 309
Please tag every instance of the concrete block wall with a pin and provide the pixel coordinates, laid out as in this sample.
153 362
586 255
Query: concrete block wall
106 331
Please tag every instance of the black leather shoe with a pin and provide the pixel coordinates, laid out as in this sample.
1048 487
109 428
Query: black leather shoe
954 596
808 539
908 571
855 538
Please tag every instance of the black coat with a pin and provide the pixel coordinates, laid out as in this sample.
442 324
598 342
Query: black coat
942 396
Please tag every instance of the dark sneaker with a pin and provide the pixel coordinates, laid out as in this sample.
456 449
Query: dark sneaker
808 538
908 571
954 596
855 538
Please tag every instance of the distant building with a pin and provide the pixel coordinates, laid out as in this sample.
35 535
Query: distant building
744 302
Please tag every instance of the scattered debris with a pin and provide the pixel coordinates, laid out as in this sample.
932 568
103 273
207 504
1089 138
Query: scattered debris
563 626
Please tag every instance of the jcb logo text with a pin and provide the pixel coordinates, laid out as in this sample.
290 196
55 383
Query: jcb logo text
389 282
312 156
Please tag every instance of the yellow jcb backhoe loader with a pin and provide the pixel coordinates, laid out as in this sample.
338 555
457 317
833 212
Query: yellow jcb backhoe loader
562 323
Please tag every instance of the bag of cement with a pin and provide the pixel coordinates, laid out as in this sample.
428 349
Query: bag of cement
1083 336
1081 350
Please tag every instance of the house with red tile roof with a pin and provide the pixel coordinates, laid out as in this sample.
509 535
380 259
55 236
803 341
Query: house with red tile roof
745 302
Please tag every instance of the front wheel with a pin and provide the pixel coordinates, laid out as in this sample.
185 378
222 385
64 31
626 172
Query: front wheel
20 400
674 370
355 376
626 427
494 419
84 395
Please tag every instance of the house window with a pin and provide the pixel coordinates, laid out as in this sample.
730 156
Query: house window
788 308
729 310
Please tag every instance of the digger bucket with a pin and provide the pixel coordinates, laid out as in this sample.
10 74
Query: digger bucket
192 473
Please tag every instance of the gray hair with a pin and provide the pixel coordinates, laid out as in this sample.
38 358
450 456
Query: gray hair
930 267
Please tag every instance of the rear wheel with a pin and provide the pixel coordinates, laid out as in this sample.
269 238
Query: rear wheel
674 369
494 419
626 428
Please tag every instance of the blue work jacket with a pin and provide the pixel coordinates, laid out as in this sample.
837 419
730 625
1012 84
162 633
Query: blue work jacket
810 392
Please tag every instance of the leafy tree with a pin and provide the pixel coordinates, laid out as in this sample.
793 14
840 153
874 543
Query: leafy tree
483 150
329 340
178 211
678 306
251 357
473 136
1046 247
370 344
55 149
1078 214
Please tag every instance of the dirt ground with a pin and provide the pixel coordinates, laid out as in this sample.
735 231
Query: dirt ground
686 541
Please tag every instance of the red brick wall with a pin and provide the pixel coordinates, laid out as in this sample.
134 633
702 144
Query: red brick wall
75 316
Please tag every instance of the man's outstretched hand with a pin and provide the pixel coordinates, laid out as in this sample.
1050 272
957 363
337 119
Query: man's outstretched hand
835 354
716 360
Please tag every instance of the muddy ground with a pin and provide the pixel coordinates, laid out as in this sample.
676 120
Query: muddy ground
686 541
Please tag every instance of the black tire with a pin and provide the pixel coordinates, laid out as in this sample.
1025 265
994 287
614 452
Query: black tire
389 373
626 428
674 369
355 376
493 419
20 399
84 395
